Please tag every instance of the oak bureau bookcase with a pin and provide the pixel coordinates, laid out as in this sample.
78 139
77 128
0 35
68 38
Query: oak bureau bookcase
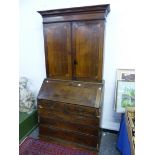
70 98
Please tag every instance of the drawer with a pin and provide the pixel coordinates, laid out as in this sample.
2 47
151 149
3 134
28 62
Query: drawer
70 126
68 107
81 120
67 135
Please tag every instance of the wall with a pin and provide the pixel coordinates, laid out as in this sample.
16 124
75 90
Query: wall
119 52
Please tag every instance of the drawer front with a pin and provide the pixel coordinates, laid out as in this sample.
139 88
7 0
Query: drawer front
76 137
67 107
82 120
70 126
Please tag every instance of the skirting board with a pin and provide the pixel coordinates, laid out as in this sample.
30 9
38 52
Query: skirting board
110 125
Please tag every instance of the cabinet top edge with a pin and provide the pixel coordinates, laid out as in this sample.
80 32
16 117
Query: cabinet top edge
102 8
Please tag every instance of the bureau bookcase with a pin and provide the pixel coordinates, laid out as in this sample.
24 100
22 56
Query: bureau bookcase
70 98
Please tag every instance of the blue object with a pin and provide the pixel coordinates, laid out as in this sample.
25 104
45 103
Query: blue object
123 143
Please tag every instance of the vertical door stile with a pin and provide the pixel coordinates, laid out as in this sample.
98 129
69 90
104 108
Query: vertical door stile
69 49
101 51
73 50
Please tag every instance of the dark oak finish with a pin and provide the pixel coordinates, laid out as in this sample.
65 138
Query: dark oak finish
68 135
70 117
74 17
73 92
88 50
74 126
76 13
70 110
74 42
58 50
76 10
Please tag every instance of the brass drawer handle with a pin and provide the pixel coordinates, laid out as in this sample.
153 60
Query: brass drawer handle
98 116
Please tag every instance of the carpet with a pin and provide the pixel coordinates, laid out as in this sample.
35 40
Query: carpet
32 146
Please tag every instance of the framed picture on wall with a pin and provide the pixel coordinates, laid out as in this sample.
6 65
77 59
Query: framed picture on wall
125 74
125 95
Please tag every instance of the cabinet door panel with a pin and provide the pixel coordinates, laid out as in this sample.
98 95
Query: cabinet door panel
58 50
88 50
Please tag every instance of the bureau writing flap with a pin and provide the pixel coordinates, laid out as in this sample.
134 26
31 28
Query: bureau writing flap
75 92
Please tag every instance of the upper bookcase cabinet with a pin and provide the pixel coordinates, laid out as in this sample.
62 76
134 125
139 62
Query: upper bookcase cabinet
74 42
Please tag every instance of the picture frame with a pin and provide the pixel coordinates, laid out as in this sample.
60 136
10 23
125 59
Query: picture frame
125 95
125 74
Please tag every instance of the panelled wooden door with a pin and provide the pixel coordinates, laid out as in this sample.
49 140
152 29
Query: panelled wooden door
58 50
87 45
74 50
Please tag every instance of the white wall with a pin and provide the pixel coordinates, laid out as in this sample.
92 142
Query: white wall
119 51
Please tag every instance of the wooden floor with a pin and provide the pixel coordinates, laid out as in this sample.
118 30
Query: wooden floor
108 143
